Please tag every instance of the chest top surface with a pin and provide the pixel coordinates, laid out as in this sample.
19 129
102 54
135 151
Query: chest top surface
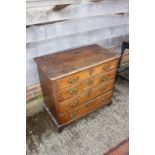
60 64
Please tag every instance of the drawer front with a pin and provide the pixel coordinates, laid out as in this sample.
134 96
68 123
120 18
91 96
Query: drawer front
91 82
86 108
85 96
73 79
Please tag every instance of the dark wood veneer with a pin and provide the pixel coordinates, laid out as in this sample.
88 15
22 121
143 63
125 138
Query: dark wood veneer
76 82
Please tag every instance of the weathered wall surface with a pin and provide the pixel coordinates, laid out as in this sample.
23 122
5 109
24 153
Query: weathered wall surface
56 25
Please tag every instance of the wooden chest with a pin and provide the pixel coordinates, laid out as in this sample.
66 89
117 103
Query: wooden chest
76 82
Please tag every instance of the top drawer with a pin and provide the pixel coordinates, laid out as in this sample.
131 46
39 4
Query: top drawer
73 79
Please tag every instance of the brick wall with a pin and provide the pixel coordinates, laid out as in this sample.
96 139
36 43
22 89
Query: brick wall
33 92
34 100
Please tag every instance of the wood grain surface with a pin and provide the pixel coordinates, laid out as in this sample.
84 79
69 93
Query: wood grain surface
86 108
76 82
79 99
61 64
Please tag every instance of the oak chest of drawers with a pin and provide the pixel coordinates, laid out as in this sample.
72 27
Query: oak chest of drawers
76 82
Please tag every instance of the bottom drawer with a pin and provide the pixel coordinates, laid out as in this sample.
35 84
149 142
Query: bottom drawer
86 108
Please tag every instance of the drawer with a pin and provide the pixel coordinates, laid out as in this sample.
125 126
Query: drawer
73 79
91 82
86 108
85 96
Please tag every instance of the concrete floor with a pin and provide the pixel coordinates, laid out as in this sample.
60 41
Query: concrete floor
94 134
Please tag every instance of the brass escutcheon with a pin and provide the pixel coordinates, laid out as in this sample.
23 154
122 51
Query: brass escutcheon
74 104
102 100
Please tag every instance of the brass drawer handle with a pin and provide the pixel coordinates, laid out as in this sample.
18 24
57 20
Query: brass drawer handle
72 91
106 67
73 80
74 104
73 115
